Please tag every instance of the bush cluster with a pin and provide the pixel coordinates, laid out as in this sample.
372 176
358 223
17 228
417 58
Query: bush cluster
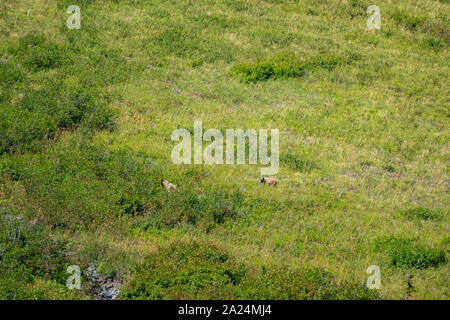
34 106
32 262
407 254
287 65
197 270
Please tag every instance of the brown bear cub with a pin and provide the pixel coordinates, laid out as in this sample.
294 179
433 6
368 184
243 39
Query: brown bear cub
166 184
269 181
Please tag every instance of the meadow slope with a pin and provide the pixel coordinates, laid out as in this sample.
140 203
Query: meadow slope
86 118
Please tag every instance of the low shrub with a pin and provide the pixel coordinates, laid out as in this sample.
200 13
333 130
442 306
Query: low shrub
40 113
185 270
422 213
79 185
283 283
408 21
194 206
29 252
298 164
33 105
193 270
68 105
20 129
11 73
434 44
405 253
131 204
38 53
33 262
287 65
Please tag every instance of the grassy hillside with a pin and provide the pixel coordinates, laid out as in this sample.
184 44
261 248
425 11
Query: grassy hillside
86 118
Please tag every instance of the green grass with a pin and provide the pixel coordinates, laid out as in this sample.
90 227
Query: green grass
85 123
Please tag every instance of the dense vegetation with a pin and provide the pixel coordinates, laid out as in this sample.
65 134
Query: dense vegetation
85 122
